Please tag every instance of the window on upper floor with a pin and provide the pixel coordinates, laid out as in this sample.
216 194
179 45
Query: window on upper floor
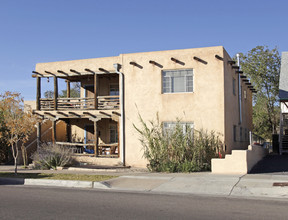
234 86
177 81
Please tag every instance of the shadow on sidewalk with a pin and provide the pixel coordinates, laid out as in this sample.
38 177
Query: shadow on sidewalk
271 164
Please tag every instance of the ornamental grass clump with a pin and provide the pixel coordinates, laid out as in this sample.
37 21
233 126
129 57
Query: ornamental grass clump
181 149
51 156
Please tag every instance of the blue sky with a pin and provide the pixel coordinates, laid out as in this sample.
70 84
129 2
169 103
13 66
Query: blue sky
34 31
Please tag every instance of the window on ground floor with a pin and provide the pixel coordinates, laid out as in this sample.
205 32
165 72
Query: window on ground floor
169 127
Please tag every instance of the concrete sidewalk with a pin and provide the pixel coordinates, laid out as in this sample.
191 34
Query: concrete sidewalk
249 185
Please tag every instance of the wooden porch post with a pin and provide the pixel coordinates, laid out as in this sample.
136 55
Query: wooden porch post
95 139
68 130
96 91
55 92
68 89
54 136
38 135
38 93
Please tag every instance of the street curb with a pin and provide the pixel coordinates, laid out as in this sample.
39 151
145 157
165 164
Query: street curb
61 183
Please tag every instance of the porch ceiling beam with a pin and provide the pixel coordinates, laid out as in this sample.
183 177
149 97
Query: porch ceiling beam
136 64
177 61
250 87
116 113
75 114
245 80
248 83
243 77
103 70
62 72
231 62
200 60
39 115
74 71
155 63
37 73
62 113
236 67
49 113
239 71
89 113
219 58
90 71
49 73
104 113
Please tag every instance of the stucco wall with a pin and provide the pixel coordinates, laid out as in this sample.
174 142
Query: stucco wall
232 109
204 107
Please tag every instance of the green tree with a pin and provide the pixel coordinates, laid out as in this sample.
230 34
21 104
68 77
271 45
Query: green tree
262 66
19 123
74 92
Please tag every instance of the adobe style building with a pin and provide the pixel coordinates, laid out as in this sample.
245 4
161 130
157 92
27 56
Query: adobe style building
202 87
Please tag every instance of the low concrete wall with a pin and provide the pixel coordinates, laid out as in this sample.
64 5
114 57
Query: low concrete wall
239 162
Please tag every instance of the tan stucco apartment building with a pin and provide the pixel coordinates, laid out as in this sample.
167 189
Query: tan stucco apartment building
202 87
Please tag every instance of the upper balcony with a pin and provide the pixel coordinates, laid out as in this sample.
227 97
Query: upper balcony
95 91
102 103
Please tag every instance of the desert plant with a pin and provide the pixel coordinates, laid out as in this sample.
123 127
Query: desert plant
177 150
51 156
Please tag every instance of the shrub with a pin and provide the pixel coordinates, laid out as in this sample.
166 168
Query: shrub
177 151
50 156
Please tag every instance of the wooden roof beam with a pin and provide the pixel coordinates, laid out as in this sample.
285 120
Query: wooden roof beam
219 58
62 72
239 71
37 73
231 62
155 63
235 67
90 71
177 61
136 64
49 73
74 71
200 60
103 70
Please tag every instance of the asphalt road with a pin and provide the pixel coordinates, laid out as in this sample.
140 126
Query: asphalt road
20 202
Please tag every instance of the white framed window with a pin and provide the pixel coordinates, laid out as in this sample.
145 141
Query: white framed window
177 81
170 126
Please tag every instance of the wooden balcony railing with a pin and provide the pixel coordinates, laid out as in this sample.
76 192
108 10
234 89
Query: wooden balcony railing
104 103
108 102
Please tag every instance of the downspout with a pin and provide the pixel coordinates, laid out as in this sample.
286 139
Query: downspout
117 67
239 90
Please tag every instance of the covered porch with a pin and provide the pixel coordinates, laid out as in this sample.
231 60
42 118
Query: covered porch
93 133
